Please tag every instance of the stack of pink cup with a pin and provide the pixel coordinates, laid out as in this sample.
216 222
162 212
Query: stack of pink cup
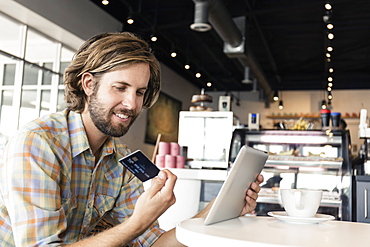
169 155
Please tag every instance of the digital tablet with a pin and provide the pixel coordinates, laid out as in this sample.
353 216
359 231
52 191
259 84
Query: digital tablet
231 198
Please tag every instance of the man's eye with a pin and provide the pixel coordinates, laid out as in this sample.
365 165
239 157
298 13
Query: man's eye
141 93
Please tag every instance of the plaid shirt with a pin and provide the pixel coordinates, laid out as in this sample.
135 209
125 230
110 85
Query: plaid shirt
51 191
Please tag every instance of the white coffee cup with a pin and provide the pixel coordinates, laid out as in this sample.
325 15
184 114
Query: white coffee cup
301 203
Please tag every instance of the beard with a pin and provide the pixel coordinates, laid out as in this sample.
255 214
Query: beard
102 118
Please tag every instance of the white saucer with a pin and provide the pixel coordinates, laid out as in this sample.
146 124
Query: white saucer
282 215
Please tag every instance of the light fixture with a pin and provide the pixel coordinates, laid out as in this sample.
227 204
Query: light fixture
153 38
330 96
187 66
329 103
130 20
198 75
323 104
105 2
281 106
276 96
209 84
329 26
173 51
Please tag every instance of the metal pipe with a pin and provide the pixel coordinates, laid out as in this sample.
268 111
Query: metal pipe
221 21
201 17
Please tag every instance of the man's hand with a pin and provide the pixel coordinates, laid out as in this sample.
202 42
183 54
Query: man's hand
252 195
157 199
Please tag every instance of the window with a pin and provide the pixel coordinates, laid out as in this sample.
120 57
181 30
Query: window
31 81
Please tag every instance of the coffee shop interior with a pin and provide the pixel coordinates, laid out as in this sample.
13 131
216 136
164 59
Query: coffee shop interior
222 64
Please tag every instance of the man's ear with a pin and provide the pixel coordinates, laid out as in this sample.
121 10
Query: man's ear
87 81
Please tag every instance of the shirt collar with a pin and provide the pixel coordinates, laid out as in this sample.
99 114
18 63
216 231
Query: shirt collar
79 139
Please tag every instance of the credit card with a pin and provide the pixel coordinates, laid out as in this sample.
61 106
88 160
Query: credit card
140 165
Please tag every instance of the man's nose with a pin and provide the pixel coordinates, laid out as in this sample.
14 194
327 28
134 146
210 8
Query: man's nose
129 101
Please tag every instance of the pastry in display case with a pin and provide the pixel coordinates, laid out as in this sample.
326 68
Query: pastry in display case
302 159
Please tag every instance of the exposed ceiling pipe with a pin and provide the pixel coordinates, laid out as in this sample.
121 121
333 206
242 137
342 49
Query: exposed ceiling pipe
229 32
201 17
246 79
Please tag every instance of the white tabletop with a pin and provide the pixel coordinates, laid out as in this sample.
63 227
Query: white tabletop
267 231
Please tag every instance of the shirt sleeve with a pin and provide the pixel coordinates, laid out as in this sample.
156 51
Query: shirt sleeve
125 205
30 193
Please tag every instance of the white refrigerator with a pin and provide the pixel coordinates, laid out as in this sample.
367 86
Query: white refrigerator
207 136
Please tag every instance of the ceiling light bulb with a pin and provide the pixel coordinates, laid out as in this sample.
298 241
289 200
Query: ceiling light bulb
330 78
329 89
328 6
330 96
330 36
331 70
276 96
330 48
173 54
130 21
327 54
330 84
323 104
105 2
209 84
281 105
329 26
187 66
153 38
198 75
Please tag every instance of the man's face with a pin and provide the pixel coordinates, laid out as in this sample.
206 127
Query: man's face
118 100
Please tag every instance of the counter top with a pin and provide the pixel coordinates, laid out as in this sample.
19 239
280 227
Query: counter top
259 231
200 174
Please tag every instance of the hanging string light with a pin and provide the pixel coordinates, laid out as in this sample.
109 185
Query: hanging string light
329 70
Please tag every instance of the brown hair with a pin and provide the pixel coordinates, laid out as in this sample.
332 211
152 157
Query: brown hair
104 53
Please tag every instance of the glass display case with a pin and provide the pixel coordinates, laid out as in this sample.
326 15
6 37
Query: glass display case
311 159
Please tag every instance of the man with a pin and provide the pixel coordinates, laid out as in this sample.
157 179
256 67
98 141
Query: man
60 179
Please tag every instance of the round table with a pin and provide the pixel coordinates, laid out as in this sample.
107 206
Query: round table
258 231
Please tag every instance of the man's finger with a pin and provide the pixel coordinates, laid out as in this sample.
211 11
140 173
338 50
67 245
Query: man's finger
157 183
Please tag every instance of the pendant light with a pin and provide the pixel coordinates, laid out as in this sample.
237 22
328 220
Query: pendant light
281 106
276 96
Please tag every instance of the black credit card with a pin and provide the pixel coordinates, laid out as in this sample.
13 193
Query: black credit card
140 165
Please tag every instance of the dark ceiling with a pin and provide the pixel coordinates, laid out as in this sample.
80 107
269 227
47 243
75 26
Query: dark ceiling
285 42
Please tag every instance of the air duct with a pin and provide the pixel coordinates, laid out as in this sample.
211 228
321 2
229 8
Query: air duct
201 17
246 79
233 37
